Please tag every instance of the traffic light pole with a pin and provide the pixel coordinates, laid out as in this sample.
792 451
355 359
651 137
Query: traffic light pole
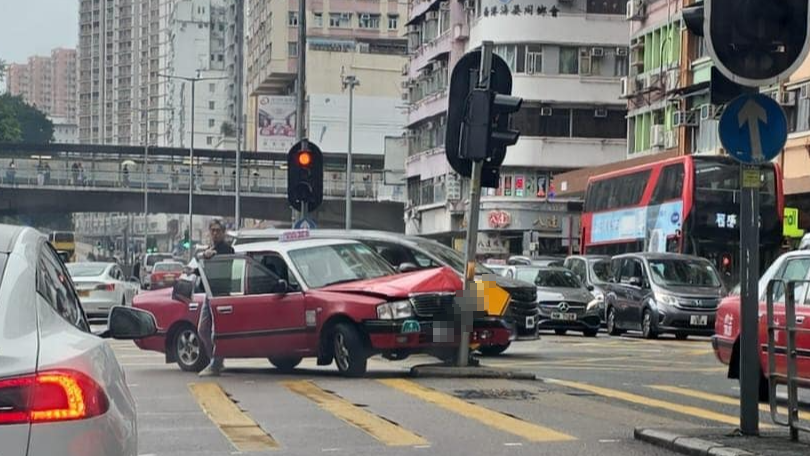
749 301
472 224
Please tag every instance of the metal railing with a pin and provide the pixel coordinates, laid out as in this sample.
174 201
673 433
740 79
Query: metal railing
789 376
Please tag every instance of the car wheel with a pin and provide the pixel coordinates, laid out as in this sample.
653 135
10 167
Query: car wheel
590 332
681 336
560 332
285 364
350 352
493 350
647 329
611 323
188 350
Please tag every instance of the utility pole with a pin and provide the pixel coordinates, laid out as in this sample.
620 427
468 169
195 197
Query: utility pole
350 82
239 40
301 89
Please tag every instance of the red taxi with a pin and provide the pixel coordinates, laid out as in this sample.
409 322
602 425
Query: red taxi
165 274
336 300
726 341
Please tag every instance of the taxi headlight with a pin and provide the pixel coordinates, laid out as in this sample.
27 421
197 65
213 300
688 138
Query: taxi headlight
394 310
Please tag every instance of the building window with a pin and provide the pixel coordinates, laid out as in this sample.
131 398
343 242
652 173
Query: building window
317 20
534 58
292 49
340 20
221 57
209 140
569 60
212 87
606 7
393 21
211 122
508 53
369 21
211 105
620 65
292 21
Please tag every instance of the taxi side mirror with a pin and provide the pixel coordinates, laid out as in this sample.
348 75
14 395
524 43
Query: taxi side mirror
407 267
183 291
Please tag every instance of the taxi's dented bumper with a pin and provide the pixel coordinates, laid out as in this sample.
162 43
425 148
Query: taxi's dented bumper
425 334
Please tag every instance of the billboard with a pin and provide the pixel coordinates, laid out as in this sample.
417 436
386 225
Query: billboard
275 128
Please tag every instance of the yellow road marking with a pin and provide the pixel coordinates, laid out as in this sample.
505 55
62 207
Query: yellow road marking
243 433
382 430
719 399
552 365
497 420
650 402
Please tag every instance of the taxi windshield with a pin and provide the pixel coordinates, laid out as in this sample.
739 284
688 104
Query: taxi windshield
331 264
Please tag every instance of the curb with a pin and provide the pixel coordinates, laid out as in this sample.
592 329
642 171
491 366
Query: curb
686 445
444 371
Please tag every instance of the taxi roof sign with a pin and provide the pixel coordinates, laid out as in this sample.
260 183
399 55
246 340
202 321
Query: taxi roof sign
294 235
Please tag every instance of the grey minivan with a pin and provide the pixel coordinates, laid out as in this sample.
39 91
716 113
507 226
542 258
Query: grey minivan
659 293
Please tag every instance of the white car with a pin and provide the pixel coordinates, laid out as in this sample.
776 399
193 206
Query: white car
61 389
101 287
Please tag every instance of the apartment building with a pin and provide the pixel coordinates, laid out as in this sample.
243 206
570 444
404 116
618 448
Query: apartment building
567 59
354 37
121 55
47 82
197 32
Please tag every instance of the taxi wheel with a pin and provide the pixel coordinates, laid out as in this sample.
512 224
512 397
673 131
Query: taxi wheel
350 352
493 350
590 332
285 364
681 336
188 350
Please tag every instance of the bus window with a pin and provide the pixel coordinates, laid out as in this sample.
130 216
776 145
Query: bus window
670 184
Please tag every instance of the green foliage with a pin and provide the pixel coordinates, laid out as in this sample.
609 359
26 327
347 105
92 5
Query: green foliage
22 122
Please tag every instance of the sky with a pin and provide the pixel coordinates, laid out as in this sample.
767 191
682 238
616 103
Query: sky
34 27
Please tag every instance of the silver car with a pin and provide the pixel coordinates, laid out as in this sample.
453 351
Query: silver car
61 389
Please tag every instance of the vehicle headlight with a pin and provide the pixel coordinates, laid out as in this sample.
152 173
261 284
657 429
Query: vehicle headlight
666 299
598 295
594 305
394 310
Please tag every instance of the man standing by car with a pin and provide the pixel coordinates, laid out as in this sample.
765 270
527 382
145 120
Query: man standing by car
206 326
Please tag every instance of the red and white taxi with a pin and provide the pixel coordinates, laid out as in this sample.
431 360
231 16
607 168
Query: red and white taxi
165 274
331 299
726 341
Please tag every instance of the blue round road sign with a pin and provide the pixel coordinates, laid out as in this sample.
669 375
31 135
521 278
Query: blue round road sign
304 224
753 129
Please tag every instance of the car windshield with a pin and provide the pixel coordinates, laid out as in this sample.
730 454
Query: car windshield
169 267
151 260
549 278
330 264
86 269
684 273
452 258
600 271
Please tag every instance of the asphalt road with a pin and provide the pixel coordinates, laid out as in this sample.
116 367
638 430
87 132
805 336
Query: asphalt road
592 394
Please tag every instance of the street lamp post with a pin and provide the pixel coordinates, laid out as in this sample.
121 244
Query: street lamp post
193 82
350 82
146 174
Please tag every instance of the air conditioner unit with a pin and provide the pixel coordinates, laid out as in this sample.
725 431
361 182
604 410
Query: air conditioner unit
546 111
621 51
635 10
432 15
657 136
788 98
627 88
597 52
461 31
683 119
670 139
600 113
804 92
707 112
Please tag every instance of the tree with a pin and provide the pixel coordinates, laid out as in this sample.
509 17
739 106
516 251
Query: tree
22 122
3 67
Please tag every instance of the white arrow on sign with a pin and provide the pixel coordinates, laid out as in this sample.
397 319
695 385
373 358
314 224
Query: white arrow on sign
752 113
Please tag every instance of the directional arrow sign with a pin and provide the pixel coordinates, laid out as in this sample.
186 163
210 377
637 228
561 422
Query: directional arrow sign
753 129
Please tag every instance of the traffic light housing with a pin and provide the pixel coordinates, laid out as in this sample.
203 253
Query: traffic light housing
756 42
478 120
305 176
186 240
726 264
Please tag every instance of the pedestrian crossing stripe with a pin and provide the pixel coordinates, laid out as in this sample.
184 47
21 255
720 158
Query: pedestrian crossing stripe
491 418
383 430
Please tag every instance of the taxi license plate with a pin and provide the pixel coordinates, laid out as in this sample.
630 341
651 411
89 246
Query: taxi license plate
699 320
168 279
563 316
84 293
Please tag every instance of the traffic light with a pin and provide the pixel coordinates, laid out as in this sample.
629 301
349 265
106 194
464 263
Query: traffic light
478 119
754 42
186 240
305 176
726 265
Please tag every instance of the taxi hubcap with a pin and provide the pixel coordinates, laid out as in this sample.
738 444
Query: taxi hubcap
188 347
341 352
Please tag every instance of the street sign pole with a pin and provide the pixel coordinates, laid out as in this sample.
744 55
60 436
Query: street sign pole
472 222
749 300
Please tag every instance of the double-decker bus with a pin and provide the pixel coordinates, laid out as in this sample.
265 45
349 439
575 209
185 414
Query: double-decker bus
687 204
64 242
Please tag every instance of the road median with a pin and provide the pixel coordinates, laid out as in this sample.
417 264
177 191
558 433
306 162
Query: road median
714 441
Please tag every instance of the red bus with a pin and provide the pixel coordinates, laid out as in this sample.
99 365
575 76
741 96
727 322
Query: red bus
687 204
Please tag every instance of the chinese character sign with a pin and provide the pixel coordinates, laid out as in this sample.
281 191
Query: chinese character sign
275 130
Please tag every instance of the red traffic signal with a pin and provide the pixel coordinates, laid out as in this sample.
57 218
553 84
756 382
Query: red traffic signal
305 176
304 158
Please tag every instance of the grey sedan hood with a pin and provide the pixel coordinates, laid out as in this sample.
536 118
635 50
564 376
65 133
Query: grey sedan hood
564 294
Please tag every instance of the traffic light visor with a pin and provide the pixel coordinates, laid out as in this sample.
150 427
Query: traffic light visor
304 158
